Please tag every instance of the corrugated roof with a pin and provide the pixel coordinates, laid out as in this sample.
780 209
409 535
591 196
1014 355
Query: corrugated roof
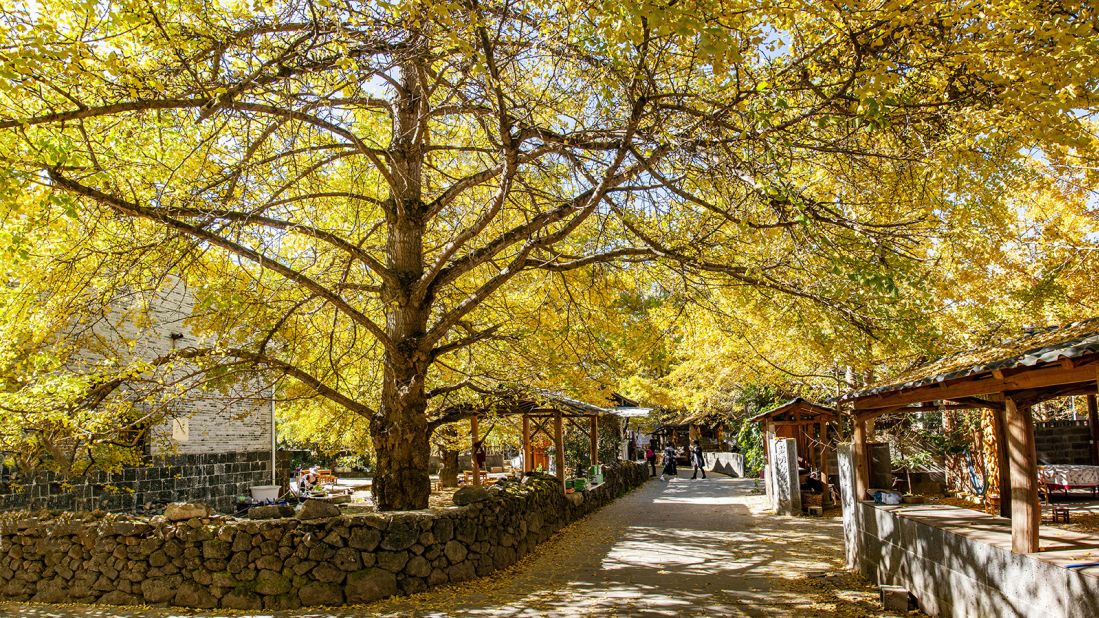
1046 345
569 402
796 402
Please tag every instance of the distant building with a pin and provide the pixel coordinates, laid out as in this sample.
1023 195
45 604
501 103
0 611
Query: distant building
210 445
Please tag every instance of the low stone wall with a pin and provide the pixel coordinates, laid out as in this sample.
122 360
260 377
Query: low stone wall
952 569
216 479
222 562
731 464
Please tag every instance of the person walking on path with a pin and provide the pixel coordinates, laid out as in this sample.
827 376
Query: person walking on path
698 459
650 456
669 463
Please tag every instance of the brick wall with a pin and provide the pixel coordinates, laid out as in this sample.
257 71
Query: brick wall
1063 442
214 478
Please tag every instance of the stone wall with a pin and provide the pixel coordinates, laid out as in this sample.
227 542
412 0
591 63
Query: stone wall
952 573
216 479
287 563
1063 442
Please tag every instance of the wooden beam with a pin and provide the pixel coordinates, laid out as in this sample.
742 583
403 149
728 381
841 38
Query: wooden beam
862 464
559 448
1026 515
527 450
985 384
476 448
593 437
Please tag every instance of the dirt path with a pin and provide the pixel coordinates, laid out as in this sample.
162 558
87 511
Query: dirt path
700 548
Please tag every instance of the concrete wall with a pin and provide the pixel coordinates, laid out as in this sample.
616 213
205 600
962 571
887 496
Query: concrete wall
211 562
215 479
731 464
952 574
1063 442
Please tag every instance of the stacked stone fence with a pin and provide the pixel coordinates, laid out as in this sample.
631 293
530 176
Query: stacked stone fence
1063 442
224 562
216 479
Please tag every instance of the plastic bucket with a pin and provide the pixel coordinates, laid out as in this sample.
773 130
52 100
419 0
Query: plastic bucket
263 493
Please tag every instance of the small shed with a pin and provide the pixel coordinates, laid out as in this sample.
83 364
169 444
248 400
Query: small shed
807 423
1008 379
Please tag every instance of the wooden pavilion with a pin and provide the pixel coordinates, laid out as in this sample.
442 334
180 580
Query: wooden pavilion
805 422
1006 379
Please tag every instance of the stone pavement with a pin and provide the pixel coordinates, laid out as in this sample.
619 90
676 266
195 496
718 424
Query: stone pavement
684 547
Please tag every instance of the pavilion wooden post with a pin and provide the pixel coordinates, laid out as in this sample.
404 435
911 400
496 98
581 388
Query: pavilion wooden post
1003 468
862 467
594 439
559 447
1026 515
825 494
476 465
527 450
1093 424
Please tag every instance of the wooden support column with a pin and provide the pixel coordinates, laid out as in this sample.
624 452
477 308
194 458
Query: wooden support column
825 493
862 463
1093 425
476 447
594 439
1003 468
1026 515
559 447
528 452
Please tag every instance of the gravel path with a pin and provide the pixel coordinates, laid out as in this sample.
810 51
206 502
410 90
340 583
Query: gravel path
676 548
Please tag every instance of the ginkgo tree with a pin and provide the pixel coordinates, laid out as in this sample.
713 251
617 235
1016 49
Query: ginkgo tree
346 185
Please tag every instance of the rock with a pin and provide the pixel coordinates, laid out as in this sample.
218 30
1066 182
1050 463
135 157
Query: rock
443 529
418 567
470 494
328 574
180 511
401 534
347 559
461 572
193 595
455 552
241 599
270 511
438 577
271 583
364 538
575 498
392 561
160 589
318 509
320 593
370 585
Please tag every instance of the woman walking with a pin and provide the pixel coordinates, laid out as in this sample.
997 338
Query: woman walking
698 459
669 463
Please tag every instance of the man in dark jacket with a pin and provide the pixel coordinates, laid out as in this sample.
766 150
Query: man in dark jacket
698 459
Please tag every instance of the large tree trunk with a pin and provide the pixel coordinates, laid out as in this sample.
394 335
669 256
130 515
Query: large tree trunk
400 429
448 475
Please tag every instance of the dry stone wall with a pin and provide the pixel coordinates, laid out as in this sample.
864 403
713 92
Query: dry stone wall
214 478
223 562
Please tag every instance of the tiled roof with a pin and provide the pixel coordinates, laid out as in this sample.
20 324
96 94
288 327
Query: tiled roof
1039 347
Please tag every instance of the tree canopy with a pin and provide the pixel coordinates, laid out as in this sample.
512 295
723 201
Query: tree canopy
375 200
